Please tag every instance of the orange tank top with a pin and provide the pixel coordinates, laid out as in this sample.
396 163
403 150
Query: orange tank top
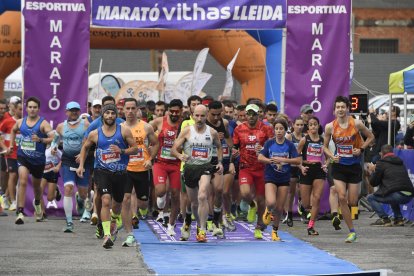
136 161
346 140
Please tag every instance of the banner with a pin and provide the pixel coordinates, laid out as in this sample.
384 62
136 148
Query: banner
190 14
317 55
198 69
56 55
228 87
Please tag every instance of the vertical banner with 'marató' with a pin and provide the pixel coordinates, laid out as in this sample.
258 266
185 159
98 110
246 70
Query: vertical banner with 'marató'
56 54
317 55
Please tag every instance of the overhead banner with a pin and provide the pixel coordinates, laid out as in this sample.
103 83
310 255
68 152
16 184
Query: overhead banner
56 54
317 55
190 14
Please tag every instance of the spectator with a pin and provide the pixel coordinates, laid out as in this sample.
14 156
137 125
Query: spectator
394 187
409 134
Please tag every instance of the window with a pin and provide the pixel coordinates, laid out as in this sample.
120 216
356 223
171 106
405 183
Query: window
378 46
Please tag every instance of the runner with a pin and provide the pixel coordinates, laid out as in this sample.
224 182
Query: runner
71 133
35 133
295 137
278 154
197 142
11 159
346 170
138 166
166 170
249 137
225 179
313 175
112 141
3 166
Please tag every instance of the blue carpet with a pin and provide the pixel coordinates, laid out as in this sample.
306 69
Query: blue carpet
291 257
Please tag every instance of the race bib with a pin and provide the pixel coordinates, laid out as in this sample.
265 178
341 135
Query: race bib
137 157
344 151
48 167
200 153
314 150
226 151
28 145
110 157
166 153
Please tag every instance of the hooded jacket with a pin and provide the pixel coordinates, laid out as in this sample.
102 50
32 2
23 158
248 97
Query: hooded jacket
391 176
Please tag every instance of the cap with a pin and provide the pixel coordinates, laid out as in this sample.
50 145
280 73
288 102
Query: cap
306 108
141 104
14 99
96 102
110 107
252 107
72 105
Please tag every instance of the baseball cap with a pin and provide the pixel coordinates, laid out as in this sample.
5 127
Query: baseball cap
306 108
72 105
252 107
96 102
14 99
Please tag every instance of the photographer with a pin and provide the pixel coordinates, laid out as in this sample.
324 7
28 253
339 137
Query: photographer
394 187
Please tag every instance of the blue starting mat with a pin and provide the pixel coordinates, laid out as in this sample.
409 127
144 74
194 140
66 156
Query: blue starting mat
238 253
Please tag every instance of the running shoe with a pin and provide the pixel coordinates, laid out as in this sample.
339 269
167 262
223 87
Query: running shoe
399 222
58 195
13 206
94 219
336 222
165 221
201 236
267 217
86 216
275 236
251 214
20 218
352 237
218 232
69 227
160 217
185 232
130 241
258 234
38 213
210 226
228 222
44 218
143 213
114 230
170 230
386 222
289 222
80 204
4 202
312 232
135 222
88 204
99 231
108 242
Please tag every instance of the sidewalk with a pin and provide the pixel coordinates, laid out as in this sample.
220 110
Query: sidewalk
43 248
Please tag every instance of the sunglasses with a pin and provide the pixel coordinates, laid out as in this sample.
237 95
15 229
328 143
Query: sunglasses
251 114
175 112
309 112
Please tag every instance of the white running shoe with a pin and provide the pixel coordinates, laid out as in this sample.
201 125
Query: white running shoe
218 232
170 230
13 206
160 217
86 216
94 219
185 232
6 203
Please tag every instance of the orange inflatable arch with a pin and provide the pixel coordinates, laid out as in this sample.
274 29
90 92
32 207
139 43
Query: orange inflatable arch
249 68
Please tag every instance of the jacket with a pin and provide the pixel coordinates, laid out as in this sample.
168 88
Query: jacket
391 176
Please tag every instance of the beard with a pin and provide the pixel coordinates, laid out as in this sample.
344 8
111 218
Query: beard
109 122
174 119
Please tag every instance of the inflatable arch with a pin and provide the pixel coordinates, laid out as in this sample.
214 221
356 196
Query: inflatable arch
249 69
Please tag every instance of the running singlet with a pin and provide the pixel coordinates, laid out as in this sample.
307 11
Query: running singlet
199 147
52 160
247 138
72 143
225 147
313 150
166 139
6 128
345 141
280 173
33 152
136 161
105 158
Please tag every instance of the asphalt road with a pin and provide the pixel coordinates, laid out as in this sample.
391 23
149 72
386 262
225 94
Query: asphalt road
43 248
